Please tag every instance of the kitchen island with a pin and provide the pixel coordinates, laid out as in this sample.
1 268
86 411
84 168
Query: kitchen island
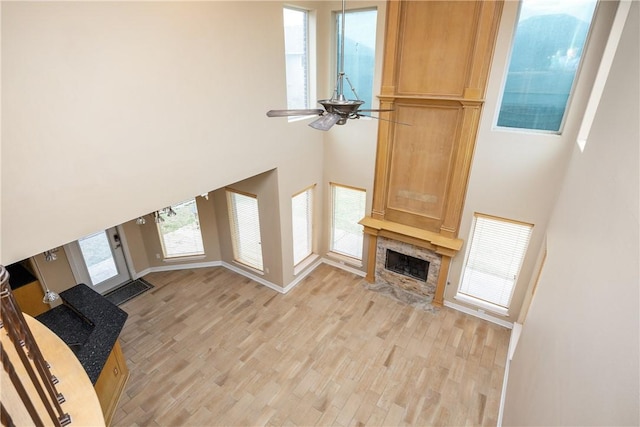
90 325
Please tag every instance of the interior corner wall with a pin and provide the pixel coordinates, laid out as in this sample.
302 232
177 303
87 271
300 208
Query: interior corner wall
577 360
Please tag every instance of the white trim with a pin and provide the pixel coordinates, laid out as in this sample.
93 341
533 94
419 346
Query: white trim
312 266
253 277
344 266
344 259
513 342
302 265
182 258
482 305
142 273
515 337
603 72
185 266
478 314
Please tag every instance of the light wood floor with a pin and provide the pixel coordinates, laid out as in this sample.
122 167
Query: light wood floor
210 347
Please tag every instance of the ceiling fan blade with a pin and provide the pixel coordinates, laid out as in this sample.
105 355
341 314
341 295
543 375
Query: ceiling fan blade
386 120
373 111
287 113
325 122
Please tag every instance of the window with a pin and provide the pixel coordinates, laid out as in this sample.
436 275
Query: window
348 207
359 52
245 229
496 251
547 48
296 48
180 233
302 223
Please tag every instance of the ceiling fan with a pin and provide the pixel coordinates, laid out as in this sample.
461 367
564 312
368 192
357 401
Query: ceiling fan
338 109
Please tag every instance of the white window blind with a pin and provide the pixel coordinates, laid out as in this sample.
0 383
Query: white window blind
348 207
245 229
180 234
302 217
497 249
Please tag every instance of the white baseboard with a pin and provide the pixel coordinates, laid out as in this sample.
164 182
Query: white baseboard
513 342
248 274
253 277
302 275
476 313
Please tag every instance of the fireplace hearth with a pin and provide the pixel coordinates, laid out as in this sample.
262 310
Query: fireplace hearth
413 275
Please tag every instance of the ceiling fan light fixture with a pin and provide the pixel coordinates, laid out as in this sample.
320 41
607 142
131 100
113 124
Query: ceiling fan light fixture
326 122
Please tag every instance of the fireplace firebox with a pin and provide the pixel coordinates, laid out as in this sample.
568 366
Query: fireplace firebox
407 265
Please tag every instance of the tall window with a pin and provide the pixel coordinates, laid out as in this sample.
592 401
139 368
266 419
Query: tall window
180 231
496 251
245 229
348 207
545 57
296 48
302 223
359 52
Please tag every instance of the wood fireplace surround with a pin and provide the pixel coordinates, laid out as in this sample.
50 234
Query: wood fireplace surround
436 62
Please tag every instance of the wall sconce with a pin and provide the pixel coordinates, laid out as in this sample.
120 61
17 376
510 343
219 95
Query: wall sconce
141 221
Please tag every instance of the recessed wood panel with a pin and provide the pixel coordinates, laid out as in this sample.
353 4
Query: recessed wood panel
436 47
421 156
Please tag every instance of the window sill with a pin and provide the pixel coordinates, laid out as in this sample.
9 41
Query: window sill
248 267
483 305
302 265
354 262
185 258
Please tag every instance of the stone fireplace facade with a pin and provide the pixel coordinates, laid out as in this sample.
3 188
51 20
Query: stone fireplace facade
422 289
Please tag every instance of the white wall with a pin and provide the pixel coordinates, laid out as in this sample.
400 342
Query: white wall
113 110
517 174
577 359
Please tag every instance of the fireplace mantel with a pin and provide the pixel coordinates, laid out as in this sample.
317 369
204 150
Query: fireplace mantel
438 243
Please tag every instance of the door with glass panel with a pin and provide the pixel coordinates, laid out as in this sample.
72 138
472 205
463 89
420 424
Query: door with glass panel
97 260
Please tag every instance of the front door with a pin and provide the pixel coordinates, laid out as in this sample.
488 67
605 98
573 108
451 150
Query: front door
98 260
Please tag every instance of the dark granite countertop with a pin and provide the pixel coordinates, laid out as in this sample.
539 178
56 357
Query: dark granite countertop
89 324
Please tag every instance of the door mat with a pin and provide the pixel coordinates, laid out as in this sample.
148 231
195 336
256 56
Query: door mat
128 291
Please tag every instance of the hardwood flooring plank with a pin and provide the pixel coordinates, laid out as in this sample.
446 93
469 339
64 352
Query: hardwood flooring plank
210 347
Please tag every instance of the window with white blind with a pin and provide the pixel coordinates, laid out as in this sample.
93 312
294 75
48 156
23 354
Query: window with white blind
347 208
496 250
245 229
296 47
302 223
179 230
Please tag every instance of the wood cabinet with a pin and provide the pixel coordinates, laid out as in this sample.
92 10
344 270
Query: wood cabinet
29 298
111 382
